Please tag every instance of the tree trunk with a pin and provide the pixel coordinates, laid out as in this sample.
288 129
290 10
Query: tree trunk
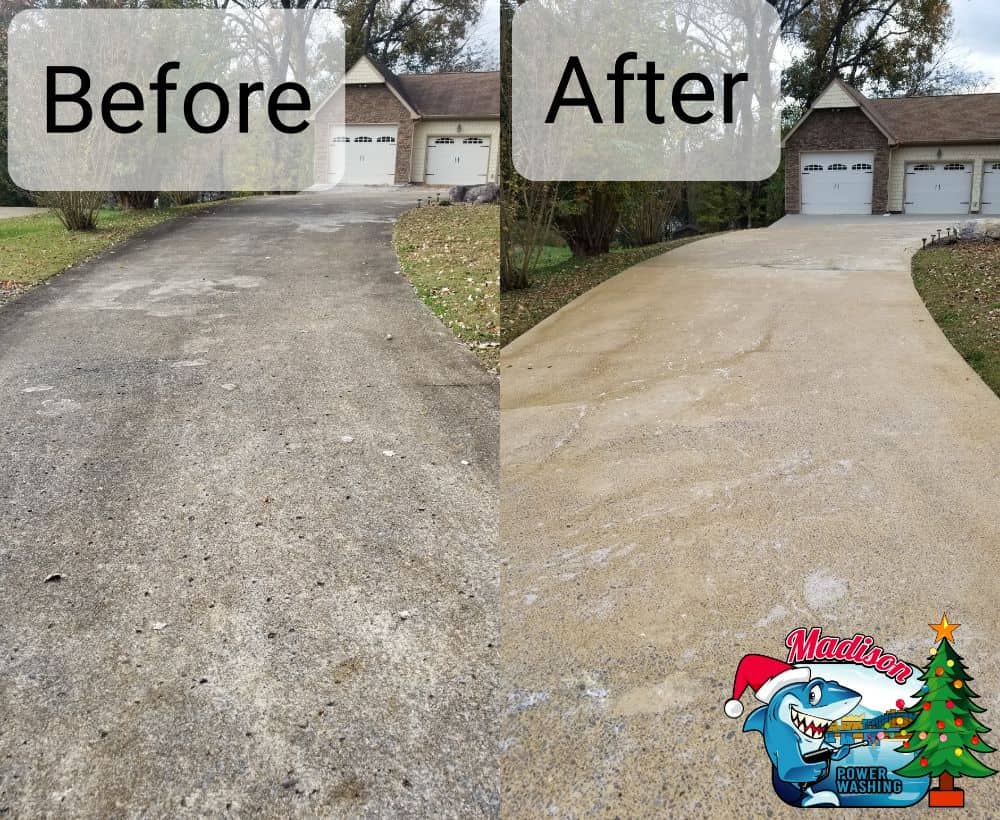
136 200
589 230
946 795
513 277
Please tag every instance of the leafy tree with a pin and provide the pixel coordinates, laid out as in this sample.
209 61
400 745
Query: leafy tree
413 35
409 35
589 214
887 47
10 194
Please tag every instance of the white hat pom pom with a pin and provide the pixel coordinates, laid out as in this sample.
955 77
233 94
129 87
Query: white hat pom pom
734 708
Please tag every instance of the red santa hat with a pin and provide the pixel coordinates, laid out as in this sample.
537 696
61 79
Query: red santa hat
764 676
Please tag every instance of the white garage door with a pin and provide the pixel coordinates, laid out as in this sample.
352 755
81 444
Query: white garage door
837 182
938 188
364 155
457 160
991 189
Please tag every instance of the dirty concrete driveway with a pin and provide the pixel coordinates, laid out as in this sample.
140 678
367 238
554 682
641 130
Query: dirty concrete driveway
755 432
274 527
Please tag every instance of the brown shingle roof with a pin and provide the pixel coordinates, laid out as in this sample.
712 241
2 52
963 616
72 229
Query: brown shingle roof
956 119
469 94
465 94
964 118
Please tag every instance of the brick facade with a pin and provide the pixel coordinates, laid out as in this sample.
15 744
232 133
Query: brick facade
371 104
836 129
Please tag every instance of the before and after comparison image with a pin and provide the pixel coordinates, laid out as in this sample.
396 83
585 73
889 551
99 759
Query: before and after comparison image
499 408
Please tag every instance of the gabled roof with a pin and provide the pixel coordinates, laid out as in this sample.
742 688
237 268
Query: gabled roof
391 80
939 120
859 99
463 95
959 118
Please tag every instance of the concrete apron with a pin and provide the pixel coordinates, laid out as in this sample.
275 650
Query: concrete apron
759 431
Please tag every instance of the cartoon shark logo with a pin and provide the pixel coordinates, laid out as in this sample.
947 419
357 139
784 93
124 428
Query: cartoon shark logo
798 711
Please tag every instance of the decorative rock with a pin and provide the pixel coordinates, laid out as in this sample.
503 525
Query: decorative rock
475 194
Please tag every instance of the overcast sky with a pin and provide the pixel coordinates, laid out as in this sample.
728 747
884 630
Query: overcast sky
488 30
976 43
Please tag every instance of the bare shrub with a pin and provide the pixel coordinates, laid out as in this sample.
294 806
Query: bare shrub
176 198
648 209
526 212
77 210
136 200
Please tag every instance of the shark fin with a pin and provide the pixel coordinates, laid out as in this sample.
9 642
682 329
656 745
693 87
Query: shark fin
755 720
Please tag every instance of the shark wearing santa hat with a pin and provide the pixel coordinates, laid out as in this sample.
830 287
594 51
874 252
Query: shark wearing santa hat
798 709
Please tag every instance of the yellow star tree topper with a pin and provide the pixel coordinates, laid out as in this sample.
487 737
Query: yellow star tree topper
944 629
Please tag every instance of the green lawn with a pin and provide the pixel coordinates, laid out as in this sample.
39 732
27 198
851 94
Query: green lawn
33 248
558 279
960 285
550 256
451 256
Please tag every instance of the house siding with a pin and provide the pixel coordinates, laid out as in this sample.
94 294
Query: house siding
901 157
372 104
449 128
835 97
836 129
363 72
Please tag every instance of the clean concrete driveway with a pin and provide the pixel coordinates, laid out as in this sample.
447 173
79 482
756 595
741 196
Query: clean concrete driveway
755 432
275 525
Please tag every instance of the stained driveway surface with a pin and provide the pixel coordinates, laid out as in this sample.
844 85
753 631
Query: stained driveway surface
275 528
755 432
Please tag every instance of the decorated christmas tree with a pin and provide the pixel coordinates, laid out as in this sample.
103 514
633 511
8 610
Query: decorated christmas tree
946 735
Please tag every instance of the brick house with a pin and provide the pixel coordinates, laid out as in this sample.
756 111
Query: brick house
438 129
851 154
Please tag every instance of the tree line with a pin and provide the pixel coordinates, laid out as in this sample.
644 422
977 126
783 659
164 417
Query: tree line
884 47
406 35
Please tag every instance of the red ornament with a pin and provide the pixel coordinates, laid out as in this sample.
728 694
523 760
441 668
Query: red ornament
923 761
975 740
906 744
927 707
900 703
950 704
939 671
958 721
940 724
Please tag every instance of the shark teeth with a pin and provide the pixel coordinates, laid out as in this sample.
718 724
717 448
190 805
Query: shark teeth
809 725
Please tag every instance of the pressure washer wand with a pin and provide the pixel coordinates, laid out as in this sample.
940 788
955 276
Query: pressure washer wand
825 754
